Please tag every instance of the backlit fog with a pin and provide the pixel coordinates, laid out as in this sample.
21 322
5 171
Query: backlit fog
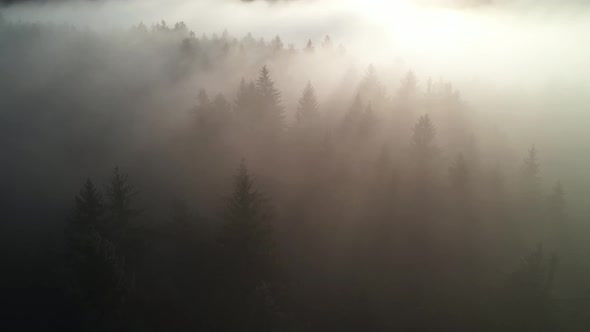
303 165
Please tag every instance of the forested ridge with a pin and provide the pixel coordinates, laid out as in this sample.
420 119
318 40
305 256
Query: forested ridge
156 179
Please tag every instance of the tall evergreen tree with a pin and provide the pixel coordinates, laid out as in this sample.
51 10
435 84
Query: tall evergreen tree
269 100
308 106
249 257
530 180
423 137
371 89
96 274
408 89
528 299
245 102
247 231
327 43
120 194
89 206
277 44
309 48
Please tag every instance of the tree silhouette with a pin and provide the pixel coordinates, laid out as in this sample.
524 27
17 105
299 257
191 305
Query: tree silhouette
89 206
245 102
309 48
277 44
97 278
247 230
530 180
408 89
327 43
371 88
247 247
308 106
269 101
423 138
120 194
528 297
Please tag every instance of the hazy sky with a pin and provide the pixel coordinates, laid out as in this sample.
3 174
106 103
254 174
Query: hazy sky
539 42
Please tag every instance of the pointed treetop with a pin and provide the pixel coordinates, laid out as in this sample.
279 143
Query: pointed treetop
308 104
531 164
424 133
89 204
409 86
327 42
309 47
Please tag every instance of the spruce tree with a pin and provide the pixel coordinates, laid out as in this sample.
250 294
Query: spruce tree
371 88
247 232
277 44
120 194
89 206
409 88
269 98
327 43
528 294
96 273
249 266
309 48
308 106
245 103
423 138
530 180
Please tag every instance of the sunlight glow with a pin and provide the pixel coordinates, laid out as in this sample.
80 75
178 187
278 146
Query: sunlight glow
413 26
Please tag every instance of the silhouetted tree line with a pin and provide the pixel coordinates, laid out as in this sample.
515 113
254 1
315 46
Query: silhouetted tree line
374 212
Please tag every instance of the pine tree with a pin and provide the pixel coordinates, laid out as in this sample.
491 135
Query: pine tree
120 195
309 48
327 43
89 206
96 272
371 88
203 102
423 137
308 106
245 102
247 230
530 185
277 44
409 87
269 100
248 250
528 295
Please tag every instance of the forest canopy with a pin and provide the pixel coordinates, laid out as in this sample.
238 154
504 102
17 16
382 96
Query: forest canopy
165 177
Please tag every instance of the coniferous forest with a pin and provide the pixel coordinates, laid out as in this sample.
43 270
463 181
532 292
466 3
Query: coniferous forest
156 178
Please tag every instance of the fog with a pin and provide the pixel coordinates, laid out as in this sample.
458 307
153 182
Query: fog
296 165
